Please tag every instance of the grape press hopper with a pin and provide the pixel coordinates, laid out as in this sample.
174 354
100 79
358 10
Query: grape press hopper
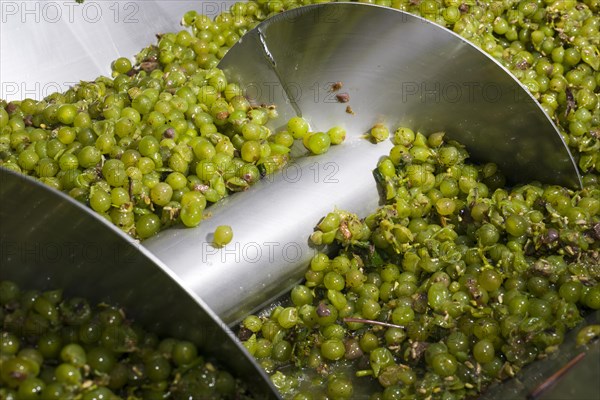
394 68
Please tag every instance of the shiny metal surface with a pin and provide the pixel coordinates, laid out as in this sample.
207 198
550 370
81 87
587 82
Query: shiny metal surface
48 241
398 69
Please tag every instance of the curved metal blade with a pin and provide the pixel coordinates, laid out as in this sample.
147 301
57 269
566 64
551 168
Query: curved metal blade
398 69
49 241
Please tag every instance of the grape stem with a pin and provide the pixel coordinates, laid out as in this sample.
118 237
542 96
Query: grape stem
540 389
371 322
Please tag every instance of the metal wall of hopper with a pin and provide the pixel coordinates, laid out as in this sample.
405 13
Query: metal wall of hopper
50 241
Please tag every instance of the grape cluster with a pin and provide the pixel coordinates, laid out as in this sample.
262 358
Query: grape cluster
55 348
455 283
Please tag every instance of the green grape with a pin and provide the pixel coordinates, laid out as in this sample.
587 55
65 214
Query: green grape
100 200
379 133
9 343
288 317
161 193
298 127
337 135
158 369
31 388
147 225
66 114
121 65
223 235
318 143
483 351
89 157
184 352
250 151
73 354
114 172
99 359
333 349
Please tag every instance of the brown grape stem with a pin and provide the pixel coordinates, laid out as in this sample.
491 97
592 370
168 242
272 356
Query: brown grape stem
372 322
542 387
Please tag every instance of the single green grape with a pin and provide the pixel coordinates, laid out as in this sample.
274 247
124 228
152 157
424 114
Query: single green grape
147 225
121 65
333 349
161 193
223 235
66 114
319 143
337 135
184 353
379 133
298 127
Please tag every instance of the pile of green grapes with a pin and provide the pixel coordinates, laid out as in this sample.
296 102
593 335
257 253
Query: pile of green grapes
162 139
55 348
456 282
